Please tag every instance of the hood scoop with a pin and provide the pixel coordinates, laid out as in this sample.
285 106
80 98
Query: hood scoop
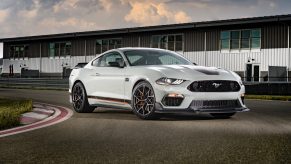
207 71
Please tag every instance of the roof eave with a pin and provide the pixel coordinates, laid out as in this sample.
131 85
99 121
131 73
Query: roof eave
256 20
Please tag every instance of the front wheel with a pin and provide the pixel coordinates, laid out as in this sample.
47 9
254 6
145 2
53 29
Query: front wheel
222 115
79 98
143 101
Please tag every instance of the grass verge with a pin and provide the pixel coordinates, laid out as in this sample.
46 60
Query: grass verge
268 97
10 111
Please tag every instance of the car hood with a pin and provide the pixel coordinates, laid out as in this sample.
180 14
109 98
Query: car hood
189 72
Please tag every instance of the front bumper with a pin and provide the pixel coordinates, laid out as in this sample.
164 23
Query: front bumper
161 109
203 101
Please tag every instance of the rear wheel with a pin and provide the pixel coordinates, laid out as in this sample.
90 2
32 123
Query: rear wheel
222 115
143 101
80 100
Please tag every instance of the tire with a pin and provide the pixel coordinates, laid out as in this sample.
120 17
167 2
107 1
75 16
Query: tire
222 115
80 100
143 101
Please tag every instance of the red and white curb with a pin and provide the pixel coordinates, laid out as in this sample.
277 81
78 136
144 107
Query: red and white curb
39 112
43 115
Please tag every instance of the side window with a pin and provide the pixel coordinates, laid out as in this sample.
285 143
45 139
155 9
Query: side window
169 60
104 60
95 63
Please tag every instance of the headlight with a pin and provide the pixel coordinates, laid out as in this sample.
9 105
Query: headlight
169 81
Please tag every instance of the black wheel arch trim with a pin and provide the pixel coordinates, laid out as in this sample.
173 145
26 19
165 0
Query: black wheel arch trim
138 81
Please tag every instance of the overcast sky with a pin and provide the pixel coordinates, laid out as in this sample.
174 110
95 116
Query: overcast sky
35 17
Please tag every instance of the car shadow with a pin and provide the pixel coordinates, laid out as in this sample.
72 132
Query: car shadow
185 116
129 115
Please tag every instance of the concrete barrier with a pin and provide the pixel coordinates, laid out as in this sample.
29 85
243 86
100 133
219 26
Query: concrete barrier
270 88
45 83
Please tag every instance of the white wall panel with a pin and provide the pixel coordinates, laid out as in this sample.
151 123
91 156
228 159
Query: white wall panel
89 58
54 65
32 63
197 57
236 60
232 60
76 59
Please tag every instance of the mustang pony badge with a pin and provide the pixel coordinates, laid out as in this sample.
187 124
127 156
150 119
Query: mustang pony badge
216 85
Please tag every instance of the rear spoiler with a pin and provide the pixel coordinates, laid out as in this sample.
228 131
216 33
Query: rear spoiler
80 65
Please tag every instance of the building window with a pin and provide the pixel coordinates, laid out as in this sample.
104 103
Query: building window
170 42
240 39
235 38
245 39
256 38
225 39
18 51
60 49
103 45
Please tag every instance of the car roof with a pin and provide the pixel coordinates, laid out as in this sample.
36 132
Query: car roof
138 48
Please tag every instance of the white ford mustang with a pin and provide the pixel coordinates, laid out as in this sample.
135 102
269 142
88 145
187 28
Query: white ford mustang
152 81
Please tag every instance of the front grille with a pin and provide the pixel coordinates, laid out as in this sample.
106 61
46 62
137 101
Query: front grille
215 104
172 101
214 86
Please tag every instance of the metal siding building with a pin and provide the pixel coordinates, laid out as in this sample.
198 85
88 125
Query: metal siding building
202 43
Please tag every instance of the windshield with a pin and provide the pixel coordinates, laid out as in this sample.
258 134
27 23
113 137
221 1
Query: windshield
154 57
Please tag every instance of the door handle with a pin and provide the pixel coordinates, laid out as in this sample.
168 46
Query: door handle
95 74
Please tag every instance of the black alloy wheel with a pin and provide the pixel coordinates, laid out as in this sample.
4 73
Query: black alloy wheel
80 101
143 101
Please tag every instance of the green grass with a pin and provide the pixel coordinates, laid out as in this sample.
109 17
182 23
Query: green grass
269 97
10 111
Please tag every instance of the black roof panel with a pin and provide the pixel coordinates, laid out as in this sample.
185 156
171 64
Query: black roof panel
217 23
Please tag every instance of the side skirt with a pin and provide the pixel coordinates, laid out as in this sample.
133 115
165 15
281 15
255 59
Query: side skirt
112 106
110 102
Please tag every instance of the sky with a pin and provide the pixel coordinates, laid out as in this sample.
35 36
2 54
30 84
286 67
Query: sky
36 17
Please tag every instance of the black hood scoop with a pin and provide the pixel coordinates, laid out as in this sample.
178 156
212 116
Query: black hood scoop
207 72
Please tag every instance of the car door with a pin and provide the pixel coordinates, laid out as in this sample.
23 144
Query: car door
107 82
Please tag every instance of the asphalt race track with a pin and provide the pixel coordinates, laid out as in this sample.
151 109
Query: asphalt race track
262 135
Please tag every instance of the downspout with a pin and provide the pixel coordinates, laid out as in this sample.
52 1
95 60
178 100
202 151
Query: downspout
94 53
40 58
138 41
205 53
289 62
85 50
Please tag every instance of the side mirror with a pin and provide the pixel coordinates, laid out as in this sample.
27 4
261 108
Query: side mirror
120 64
195 64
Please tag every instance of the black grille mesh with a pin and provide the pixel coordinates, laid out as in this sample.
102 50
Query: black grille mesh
172 101
214 86
215 104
